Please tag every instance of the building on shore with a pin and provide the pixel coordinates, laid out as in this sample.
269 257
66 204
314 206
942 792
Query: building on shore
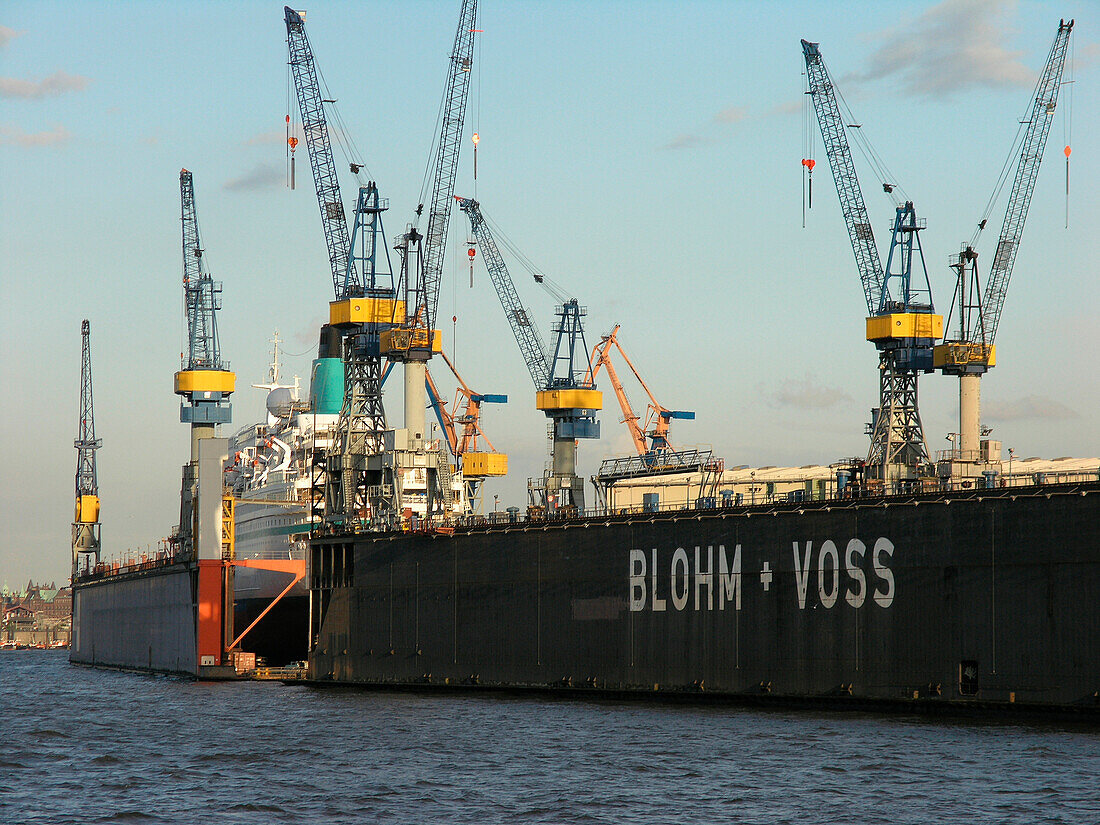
38 616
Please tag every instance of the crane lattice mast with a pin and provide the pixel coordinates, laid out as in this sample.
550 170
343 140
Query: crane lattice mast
902 324
658 417
86 520
445 166
852 205
415 342
972 352
1027 172
204 382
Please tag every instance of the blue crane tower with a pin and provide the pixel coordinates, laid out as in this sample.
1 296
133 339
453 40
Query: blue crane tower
349 362
902 322
565 390
204 381
86 519
970 352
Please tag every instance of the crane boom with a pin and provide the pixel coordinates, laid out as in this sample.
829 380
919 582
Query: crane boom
1031 156
823 94
200 290
527 335
86 442
315 129
445 165
630 418
658 416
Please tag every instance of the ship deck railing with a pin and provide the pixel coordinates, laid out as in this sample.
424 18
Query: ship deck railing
107 569
854 494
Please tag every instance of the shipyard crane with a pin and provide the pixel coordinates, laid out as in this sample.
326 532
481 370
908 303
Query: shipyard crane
204 383
565 389
970 353
86 520
364 305
414 342
901 319
658 417
461 425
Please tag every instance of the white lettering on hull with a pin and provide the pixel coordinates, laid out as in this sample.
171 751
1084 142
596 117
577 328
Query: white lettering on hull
692 578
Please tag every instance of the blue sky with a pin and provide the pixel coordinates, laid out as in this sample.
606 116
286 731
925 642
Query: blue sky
646 155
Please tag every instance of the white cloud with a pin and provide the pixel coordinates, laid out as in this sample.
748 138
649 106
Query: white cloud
259 177
56 84
685 141
7 35
954 45
728 115
731 114
14 136
804 394
1028 408
790 107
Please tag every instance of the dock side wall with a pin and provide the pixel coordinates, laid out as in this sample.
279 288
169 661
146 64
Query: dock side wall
141 621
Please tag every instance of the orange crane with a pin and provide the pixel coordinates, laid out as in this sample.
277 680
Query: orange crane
465 412
658 417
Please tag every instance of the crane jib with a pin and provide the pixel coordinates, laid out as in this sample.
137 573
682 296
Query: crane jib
200 290
527 335
315 131
445 165
853 207
984 326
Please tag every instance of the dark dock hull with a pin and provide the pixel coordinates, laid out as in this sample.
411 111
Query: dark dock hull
986 597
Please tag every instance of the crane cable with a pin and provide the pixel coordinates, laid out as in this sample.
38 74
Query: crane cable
886 177
1067 122
429 164
551 286
342 135
1002 179
808 146
1007 168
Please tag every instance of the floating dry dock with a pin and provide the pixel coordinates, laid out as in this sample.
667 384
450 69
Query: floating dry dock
974 596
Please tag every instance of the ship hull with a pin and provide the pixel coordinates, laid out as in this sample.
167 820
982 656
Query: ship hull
984 597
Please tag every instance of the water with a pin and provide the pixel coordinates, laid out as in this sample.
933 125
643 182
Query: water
85 746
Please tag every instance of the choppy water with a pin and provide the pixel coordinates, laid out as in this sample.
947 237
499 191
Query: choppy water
85 746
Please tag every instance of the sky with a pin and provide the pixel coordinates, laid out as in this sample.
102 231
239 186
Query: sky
646 155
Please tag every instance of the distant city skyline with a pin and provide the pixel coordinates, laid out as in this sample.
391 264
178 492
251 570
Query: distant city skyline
646 155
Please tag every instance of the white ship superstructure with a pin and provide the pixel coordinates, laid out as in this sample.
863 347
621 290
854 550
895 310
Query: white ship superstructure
271 474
